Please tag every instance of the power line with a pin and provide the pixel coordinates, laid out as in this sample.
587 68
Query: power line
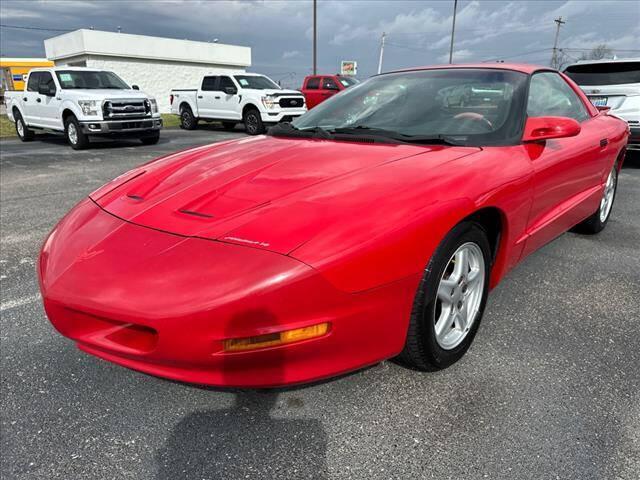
21 27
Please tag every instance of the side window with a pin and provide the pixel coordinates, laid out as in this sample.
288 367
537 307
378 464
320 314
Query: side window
209 84
34 79
313 83
329 84
226 82
47 80
550 95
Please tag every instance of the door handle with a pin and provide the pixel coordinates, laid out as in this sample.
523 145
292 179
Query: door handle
604 142
24 99
217 98
38 100
200 96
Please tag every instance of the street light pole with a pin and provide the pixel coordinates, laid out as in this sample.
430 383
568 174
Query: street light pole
384 35
453 31
315 37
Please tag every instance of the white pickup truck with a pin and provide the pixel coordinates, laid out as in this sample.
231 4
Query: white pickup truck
82 102
255 100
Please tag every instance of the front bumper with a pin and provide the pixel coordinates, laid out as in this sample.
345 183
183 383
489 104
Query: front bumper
118 127
634 138
163 304
282 115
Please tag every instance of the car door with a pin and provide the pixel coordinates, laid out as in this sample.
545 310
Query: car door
207 96
29 100
312 91
329 88
567 182
48 106
227 105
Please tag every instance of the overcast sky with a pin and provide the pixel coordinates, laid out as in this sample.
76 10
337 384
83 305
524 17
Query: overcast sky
279 33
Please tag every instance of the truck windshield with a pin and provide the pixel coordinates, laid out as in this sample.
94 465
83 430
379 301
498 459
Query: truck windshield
347 81
256 82
614 73
469 106
90 80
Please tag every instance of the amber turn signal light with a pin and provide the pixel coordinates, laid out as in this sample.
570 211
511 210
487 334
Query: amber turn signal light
275 339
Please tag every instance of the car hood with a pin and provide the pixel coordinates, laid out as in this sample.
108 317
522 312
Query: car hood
263 192
280 93
104 94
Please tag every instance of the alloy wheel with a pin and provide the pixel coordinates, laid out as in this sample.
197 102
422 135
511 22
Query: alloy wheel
607 197
459 295
72 133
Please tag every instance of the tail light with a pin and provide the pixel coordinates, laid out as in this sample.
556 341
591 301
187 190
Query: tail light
171 99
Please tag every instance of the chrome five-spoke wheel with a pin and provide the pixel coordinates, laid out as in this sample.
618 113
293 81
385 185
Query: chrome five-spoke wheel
607 197
459 295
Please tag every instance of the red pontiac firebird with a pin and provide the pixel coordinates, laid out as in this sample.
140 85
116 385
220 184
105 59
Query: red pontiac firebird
371 227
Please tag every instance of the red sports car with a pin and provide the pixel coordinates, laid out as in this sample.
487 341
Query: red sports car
371 227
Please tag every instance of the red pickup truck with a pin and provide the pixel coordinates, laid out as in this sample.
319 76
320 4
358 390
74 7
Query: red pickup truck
317 88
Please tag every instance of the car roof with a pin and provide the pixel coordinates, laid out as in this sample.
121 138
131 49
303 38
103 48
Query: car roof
605 60
518 67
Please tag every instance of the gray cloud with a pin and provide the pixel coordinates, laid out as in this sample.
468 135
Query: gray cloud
279 32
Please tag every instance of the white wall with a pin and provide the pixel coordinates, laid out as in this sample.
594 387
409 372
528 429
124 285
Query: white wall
125 45
154 77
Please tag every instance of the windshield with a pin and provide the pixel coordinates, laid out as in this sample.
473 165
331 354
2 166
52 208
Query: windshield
615 73
256 82
347 81
90 80
471 106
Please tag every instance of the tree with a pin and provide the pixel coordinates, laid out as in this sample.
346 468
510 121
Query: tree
598 53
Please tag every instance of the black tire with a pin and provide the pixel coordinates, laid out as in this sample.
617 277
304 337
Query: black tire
253 122
595 224
76 138
27 134
188 121
151 139
229 125
421 350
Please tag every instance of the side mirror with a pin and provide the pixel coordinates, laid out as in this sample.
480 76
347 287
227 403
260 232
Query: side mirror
48 90
546 128
230 90
135 87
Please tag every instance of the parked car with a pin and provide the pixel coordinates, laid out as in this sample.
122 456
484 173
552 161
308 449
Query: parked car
317 88
82 102
249 98
614 85
371 227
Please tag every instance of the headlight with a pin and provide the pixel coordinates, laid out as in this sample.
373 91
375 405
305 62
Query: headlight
88 107
154 105
269 102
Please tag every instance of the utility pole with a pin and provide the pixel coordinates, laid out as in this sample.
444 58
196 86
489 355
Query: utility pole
554 55
384 35
453 31
315 37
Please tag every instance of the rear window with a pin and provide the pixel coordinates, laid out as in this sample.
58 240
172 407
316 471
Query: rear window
313 83
617 73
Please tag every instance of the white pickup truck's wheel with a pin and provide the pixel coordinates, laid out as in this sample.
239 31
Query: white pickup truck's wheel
76 138
253 122
24 133
188 121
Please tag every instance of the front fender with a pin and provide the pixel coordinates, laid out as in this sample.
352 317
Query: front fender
72 106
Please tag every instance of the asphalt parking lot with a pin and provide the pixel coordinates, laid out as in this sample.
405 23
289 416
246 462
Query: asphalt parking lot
550 388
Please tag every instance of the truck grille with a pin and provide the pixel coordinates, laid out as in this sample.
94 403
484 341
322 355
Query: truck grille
292 102
126 108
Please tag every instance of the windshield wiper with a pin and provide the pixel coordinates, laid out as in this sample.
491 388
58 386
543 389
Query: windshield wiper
423 139
286 129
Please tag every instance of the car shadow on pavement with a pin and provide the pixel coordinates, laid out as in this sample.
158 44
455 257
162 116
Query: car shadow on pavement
96 143
248 440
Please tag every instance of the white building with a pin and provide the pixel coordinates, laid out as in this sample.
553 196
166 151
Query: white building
155 64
